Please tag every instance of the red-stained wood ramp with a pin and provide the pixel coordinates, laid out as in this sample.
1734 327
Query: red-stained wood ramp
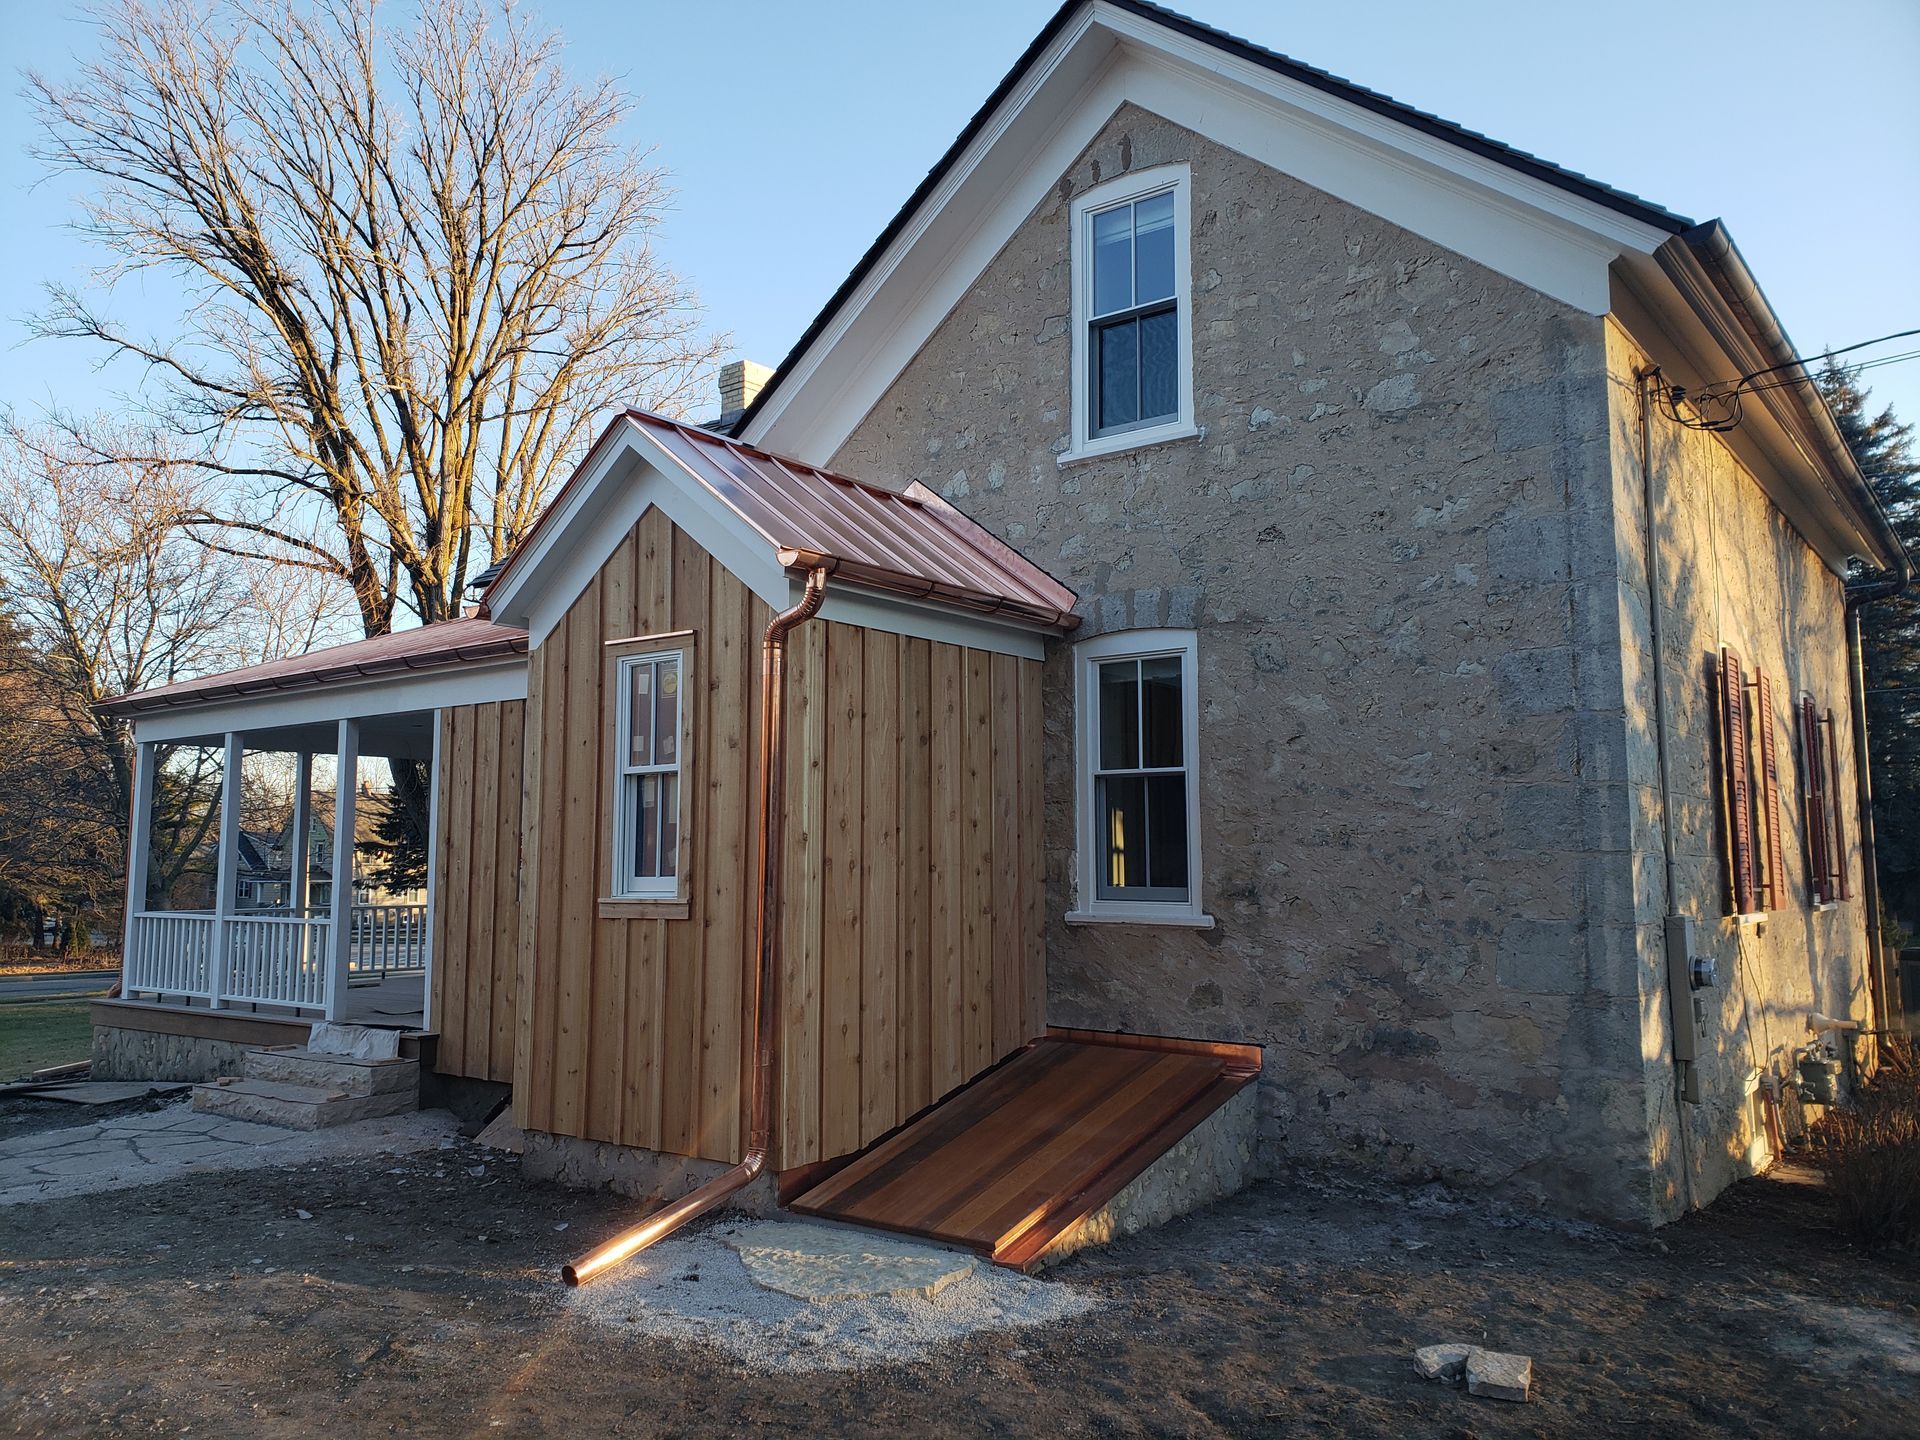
1008 1164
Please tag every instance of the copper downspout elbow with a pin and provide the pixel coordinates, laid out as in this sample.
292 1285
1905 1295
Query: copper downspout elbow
663 1222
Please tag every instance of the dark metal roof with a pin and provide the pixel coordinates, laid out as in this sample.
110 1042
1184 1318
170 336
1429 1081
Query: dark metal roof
1558 175
428 647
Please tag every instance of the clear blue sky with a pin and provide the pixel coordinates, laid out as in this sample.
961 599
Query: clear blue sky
794 130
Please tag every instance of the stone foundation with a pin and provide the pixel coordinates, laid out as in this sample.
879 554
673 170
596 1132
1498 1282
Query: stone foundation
631 1170
1212 1161
151 1055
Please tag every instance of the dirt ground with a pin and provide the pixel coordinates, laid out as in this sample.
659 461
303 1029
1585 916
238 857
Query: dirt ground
421 1298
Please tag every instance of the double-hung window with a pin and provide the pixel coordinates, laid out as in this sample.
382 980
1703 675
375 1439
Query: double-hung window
1138 826
648 751
1131 362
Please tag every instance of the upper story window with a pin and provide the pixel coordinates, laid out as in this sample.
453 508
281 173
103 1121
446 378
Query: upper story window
1138 770
1132 352
648 750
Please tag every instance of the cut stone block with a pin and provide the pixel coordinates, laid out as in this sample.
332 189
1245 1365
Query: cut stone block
1498 1376
502 1134
361 1042
296 1107
289 1065
820 1263
1441 1362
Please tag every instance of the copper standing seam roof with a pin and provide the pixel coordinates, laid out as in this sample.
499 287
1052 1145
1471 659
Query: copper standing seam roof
429 647
909 543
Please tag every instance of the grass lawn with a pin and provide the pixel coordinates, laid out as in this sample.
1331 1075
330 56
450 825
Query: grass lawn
37 1033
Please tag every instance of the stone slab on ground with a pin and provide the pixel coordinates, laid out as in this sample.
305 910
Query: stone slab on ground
1446 1361
159 1145
109 1092
1499 1376
828 1262
694 1287
502 1134
361 1042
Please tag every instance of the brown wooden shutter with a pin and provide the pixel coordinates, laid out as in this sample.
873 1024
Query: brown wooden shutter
1737 771
1837 851
1776 894
1814 794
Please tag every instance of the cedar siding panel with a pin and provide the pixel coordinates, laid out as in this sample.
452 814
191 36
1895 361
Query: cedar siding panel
911 947
476 883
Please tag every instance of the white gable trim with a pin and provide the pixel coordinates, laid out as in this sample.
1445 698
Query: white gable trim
1535 233
624 478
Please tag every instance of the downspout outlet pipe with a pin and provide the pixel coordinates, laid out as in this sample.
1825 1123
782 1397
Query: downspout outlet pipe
764 1011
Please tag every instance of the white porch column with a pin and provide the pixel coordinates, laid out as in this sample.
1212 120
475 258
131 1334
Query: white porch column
346 785
433 878
297 888
139 851
226 867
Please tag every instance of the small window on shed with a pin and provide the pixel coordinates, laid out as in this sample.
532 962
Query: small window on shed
649 733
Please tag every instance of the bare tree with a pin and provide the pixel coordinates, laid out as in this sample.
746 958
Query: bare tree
418 265
107 594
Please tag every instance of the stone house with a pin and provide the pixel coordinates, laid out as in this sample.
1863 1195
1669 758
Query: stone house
1365 639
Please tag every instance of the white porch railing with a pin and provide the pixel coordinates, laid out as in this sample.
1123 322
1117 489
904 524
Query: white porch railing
167 953
277 959
273 957
388 940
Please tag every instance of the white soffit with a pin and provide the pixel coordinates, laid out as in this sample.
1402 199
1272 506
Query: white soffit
1527 229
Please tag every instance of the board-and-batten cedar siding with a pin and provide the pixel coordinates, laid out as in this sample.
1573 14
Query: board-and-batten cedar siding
907 761
476 889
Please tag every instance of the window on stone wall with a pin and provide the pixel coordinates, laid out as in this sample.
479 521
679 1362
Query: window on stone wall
1820 794
1132 361
1138 747
1748 743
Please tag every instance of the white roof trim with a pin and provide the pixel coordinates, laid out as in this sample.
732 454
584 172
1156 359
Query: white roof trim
1536 233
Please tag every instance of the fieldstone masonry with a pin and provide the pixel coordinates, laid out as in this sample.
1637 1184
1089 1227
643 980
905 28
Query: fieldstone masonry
1399 537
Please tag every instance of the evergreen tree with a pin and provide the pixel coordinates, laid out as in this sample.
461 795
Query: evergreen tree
396 852
1890 636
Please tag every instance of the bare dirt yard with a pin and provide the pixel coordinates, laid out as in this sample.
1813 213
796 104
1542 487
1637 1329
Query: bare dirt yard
417 1294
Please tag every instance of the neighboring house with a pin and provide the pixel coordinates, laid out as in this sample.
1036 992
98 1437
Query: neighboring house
263 871
1307 670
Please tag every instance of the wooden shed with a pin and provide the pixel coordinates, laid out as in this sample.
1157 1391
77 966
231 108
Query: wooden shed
608 976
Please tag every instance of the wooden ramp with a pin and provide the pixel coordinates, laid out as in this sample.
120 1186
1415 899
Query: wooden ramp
1008 1164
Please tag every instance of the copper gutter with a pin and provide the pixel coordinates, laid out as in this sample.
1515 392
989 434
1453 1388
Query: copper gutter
765 1012
876 578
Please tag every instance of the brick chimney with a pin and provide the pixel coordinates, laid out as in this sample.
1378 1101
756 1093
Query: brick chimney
740 381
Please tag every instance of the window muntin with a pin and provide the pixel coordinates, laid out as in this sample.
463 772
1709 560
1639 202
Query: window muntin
647 781
1134 340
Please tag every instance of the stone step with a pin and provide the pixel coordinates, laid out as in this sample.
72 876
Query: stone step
296 1107
297 1065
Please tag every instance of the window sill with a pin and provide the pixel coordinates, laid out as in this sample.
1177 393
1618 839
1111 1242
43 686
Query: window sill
635 908
1179 917
1105 445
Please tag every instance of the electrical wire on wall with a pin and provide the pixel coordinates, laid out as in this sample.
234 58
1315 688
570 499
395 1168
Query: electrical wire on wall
1717 408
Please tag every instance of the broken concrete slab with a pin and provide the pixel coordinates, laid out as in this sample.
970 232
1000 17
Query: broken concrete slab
1446 1362
1499 1376
822 1263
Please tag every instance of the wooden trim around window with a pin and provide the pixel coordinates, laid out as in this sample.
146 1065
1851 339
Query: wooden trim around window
678 906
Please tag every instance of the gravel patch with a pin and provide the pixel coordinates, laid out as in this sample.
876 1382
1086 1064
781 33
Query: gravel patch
693 1288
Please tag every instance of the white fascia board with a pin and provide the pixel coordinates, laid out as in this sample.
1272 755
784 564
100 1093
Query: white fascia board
1536 233
397 694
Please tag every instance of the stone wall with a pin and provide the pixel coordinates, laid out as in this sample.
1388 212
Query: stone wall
634 1170
1395 540
1733 572
149 1055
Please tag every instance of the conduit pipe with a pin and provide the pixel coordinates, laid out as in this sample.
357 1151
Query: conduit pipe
765 1011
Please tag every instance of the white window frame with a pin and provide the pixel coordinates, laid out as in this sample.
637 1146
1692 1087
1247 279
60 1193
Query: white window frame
1085 445
1090 907
625 884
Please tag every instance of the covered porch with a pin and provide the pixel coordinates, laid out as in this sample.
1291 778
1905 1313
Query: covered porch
283 922
348 957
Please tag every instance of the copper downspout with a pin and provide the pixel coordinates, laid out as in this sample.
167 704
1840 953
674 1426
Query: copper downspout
663 1222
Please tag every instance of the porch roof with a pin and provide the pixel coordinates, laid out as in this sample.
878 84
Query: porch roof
443 646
